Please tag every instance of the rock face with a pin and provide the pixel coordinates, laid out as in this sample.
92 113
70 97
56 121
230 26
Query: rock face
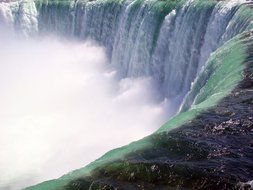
201 55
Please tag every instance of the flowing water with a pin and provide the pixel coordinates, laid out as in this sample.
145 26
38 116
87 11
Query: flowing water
145 61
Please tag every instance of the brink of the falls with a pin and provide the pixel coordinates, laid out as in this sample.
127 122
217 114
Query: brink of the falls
198 55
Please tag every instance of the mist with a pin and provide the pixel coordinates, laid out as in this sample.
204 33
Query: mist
63 106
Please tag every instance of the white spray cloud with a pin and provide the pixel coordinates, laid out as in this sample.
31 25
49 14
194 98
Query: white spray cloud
62 107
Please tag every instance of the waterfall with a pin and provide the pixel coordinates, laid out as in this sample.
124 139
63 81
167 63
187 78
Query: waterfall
183 51
20 17
169 42
194 51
